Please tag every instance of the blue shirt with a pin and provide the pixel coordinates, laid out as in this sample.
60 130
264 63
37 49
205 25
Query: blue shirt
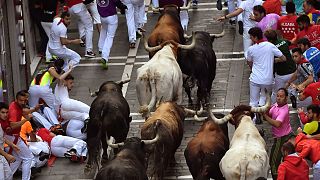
313 56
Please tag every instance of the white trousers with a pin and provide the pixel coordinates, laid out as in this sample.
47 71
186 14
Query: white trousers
255 90
47 28
5 170
92 8
109 26
48 119
316 170
84 21
134 15
36 148
24 158
69 56
74 129
62 144
279 82
184 17
74 109
155 3
45 92
246 41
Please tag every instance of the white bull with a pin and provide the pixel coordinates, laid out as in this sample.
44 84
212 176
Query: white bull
247 157
159 78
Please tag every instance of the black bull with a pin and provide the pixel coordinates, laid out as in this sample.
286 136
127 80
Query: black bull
199 64
129 163
109 114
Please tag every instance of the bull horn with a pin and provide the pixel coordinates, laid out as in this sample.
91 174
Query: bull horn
93 94
195 113
186 7
157 9
263 108
111 144
218 35
152 141
221 120
151 49
123 81
190 46
186 36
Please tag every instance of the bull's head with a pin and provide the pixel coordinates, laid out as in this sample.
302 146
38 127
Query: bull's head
109 85
146 142
156 48
239 111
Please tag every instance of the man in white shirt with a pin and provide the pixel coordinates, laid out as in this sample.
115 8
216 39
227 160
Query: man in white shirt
58 41
72 111
246 8
260 57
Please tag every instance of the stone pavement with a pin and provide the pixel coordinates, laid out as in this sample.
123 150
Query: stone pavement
230 86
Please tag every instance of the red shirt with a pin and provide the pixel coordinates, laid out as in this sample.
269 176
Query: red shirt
288 26
303 118
45 135
5 126
293 168
15 115
272 6
70 3
312 33
313 90
308 148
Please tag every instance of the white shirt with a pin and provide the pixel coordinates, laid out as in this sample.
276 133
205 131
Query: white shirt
61 93
247 7
262 55
56 32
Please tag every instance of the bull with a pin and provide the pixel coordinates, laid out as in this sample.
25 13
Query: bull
247 157
199 64
204 152
129 163
168 27
109 114
170 117
160 77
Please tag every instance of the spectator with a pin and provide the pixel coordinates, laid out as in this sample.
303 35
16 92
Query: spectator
312 113
260 58
58 41
12 123
40 86
287 24
311 12
265 21
313 91
272 7
283 70
109 19
311 54
293 167
301 78
246 8
84 21
308 148
307 30
312 128
278 118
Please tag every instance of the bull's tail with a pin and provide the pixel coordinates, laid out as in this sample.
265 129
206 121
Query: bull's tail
145 110
243 168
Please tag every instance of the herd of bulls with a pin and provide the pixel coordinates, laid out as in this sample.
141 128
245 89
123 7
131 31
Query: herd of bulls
159 87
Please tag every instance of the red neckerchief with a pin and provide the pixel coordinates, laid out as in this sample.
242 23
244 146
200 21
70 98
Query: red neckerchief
260 41
303 60
61 21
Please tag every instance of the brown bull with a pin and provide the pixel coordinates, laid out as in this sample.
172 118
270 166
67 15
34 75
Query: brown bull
167 28
170 119
206 149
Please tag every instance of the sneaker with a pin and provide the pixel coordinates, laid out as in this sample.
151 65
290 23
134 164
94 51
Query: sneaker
104 64
240 23
90 54
43 156
132 45
293 101
83 40
219 5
